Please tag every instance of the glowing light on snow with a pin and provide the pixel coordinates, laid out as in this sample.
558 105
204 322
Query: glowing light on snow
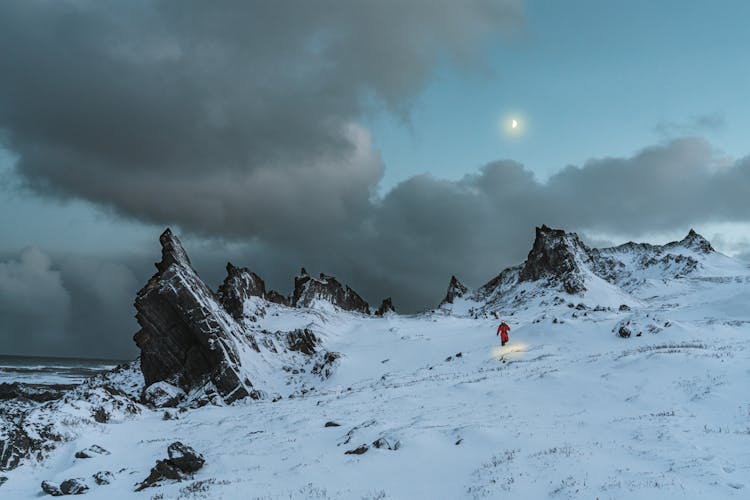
511 350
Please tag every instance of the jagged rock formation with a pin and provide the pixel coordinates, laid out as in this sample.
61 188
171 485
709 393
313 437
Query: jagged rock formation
556 256
385 307
239 285
455 290
184 338
308 290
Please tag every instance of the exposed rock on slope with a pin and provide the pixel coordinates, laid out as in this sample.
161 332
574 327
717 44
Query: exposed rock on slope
308 290
455 290
185 337
557 256
239 285
385 307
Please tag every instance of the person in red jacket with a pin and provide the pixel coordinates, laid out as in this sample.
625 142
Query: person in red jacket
502 330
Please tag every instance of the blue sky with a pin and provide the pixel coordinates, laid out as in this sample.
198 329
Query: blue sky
593 79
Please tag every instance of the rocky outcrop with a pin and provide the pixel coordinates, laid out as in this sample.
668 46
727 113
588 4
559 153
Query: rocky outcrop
385 307
309 290
183 461
556 256
186 337
277 298
455 290
239 285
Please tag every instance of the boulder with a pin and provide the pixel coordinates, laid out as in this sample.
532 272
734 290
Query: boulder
103 477
185 458
73 487
51 488
358 451
183 461
163 395
91 452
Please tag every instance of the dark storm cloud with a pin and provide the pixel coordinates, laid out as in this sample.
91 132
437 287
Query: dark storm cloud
68 305
225 117
33 301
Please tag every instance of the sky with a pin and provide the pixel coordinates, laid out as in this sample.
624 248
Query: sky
368 140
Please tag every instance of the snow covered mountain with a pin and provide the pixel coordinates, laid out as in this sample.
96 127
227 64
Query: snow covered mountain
626 377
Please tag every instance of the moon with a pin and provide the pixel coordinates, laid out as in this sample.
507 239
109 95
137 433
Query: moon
514 123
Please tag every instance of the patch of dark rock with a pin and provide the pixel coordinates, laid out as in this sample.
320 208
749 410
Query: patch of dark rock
624 307
459 354
91 452
2 480
103 477
455 290
624 332
459 441
385 360
385 307
331 423
51 488
101 415
182 462
162 395
302 340
386 444
184 457
449 358
73 487
325 367
239 285
358 451
33 392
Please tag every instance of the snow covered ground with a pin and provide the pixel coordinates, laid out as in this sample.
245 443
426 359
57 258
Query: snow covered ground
574 411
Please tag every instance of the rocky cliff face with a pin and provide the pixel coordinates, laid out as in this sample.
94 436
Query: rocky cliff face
308 290
185 336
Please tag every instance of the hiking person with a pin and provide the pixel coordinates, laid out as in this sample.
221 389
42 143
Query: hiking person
502 330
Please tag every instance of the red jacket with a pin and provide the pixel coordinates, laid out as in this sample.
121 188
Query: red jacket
503 328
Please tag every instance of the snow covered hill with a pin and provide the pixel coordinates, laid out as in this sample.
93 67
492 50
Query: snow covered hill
627 376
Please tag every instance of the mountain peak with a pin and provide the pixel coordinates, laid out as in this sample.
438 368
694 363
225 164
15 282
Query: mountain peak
556 255
171 252
697 242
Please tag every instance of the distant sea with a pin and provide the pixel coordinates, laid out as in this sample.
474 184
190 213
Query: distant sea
44 371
